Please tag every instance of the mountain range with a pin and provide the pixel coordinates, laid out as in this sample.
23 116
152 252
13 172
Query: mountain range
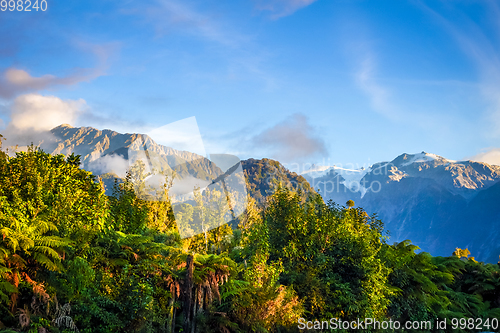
438 204
102 151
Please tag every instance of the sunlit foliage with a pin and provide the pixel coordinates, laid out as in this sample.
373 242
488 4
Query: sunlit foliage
73 259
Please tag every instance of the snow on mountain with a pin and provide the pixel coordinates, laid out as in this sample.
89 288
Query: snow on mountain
423 197
405 160
355 175
317 170
351 178
422 157
462 177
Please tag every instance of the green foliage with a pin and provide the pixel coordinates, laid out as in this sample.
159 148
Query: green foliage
263 176
421 284
331 256
128 211
207 221
73 259
136 207
54 192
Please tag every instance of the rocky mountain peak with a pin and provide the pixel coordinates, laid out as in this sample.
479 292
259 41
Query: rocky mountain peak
426 198
107 151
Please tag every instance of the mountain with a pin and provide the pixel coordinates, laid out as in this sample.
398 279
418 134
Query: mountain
437 203
109 153
93 144
262 176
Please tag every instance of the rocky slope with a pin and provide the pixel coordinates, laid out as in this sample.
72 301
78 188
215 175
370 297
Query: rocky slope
109 153
94 146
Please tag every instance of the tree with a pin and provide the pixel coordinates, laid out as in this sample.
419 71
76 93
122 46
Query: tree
461 253
2 154
421 284
36 185
331 256
44 201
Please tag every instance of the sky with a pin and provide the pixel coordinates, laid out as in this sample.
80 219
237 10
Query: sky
345 82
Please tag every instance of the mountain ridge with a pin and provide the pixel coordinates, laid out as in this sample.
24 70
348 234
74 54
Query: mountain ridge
435 202
112 153
465 175
439 204
65 134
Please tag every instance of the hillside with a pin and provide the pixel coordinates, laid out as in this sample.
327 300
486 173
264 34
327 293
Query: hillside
264 175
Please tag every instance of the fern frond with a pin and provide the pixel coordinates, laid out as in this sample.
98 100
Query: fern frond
51 241
43 260
48 251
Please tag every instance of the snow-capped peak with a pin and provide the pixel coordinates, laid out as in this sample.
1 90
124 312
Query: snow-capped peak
424 157
352 177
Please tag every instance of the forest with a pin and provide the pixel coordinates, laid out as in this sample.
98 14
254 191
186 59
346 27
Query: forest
73 259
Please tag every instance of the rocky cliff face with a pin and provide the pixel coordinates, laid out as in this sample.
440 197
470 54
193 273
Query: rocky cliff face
110 152
92 143
437 203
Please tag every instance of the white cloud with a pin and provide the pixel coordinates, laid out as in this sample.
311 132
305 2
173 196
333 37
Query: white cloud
491 156
281 8
42 113
110 163
33 115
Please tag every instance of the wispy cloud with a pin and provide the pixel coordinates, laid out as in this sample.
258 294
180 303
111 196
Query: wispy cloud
378 94
490 156
242 55
168 16
394 98
16 81
382 94
479 43
281 8
361 50
291 140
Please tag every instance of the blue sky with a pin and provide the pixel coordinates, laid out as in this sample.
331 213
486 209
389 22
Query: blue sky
332 82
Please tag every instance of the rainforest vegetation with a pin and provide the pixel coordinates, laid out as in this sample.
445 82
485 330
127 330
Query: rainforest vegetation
73 259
